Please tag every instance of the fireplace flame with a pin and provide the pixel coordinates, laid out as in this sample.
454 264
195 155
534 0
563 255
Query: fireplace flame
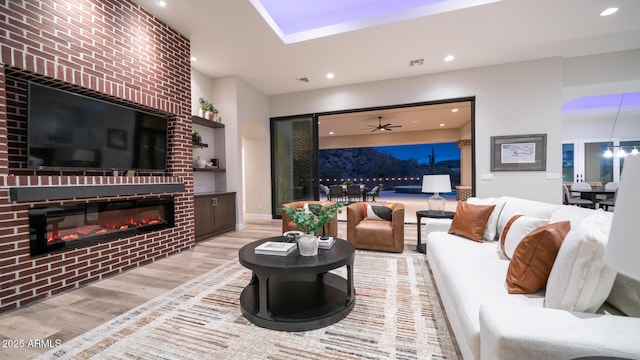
91 230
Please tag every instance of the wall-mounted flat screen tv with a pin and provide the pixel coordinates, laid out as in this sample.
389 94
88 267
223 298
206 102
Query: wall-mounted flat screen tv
72 131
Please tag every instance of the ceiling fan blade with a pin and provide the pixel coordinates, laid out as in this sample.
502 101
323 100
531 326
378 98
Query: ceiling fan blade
394 126
376 129
385 125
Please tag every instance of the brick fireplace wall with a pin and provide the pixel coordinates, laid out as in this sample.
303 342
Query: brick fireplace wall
115 49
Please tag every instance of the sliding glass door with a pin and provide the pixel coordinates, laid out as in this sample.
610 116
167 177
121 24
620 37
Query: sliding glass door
294 159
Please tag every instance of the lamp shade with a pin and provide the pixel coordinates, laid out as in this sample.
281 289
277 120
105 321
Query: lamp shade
436 184
623 248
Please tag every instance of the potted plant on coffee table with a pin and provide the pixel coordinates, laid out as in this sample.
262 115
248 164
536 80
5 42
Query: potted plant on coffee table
310 220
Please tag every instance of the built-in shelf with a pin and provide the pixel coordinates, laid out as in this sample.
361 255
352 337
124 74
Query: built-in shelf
200 145
209 169
204 122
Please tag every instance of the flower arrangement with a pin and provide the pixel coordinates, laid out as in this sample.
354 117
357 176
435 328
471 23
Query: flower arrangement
313 218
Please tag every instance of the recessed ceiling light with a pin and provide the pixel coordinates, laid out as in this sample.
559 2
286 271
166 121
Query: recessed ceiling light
330 76
454 110
161 3
609 11
449 58
441 125
193 58
331 133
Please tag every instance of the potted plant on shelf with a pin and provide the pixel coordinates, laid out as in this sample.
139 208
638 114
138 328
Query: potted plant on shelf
207 110
310 220
196 138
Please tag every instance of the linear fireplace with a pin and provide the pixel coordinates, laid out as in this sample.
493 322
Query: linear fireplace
60 227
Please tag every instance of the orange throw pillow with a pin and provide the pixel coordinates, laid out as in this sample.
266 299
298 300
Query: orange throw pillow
470 220
534 257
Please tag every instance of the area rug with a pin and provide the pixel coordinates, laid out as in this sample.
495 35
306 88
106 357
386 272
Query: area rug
396 316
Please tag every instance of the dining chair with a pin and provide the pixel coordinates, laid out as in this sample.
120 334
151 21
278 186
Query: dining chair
609 203
570 200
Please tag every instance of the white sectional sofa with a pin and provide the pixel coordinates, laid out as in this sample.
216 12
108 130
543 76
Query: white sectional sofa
489 323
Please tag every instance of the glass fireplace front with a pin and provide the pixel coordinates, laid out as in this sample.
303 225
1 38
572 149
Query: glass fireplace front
70 226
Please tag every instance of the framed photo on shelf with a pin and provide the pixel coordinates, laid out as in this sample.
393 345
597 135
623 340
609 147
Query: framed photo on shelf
519 152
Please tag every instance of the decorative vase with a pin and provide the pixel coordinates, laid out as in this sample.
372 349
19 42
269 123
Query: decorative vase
308 245
209 115
200 162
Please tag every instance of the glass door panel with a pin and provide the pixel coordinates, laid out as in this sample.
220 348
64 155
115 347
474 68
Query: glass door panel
568 168
294 151
597 168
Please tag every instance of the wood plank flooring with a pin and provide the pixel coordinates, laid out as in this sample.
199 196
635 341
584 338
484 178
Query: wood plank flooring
72 313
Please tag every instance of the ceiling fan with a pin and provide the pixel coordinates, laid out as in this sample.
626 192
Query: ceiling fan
385 127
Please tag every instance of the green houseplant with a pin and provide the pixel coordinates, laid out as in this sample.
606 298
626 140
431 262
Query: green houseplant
312 219
207 109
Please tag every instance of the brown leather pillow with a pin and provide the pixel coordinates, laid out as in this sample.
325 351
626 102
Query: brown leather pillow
534 257
470 220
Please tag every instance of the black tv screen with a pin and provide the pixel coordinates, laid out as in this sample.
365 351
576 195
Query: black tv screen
71 131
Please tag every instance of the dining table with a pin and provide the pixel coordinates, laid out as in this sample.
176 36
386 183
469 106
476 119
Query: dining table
591 194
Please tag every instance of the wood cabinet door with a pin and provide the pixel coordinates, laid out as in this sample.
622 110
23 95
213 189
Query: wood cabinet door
204 215
225 211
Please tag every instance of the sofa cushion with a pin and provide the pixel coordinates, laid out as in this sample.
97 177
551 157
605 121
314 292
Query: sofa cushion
470 220
516 229
378 212
533 258
490 231
579 279
513 206
574 214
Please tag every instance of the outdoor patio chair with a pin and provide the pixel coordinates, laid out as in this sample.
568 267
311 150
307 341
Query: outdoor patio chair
354 193
375 191
336 193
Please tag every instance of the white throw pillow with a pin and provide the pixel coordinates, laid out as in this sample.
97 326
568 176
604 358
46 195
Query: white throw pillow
580 280
491 230
516 229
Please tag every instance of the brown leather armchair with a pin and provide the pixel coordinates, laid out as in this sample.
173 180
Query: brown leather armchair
376 234
330 228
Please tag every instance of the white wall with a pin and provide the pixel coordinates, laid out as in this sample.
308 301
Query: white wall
517 98
611 73
511 99
247 156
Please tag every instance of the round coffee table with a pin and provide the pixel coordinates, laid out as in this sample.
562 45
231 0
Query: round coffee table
294 292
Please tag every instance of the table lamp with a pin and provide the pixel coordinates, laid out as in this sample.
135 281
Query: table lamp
436 184
623 248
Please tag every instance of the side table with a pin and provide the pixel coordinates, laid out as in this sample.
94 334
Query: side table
434 214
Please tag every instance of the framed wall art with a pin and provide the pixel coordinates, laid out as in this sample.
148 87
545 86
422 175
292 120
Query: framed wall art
519 152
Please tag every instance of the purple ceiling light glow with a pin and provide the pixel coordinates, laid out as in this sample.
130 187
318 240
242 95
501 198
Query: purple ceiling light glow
602 101
295 20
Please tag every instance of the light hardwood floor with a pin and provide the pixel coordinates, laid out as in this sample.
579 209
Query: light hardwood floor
72 313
